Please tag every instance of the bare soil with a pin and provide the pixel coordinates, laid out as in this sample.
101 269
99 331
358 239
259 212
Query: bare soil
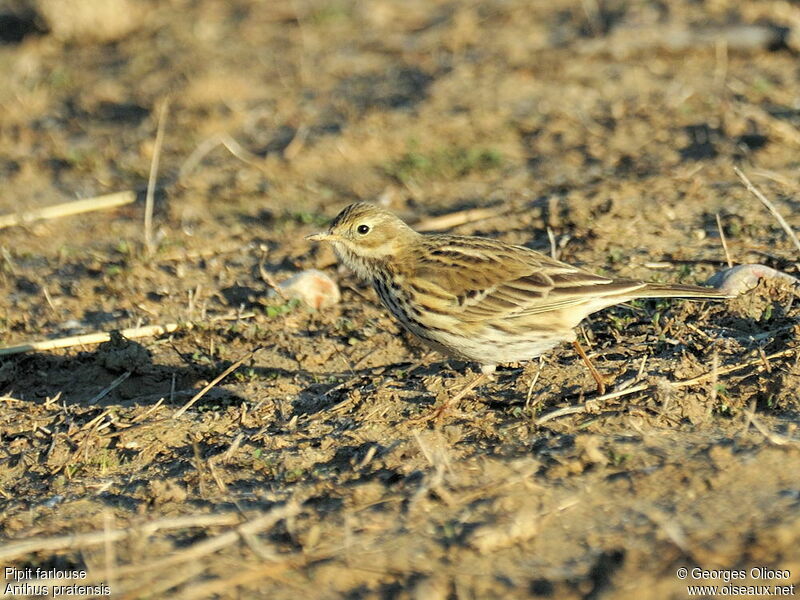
586 119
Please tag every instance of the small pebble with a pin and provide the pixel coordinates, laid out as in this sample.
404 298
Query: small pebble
87 21
741 278
314 288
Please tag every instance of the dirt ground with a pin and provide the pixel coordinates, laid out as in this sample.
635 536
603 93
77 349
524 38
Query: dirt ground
613 125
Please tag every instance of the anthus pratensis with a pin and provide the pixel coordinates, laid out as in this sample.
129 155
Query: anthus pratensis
479 299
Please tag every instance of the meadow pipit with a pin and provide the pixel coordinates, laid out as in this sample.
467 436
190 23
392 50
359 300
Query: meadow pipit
475 298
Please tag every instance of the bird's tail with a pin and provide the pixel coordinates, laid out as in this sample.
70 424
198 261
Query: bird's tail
674 290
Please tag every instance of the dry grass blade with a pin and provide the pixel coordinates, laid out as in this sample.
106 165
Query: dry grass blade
197 155
66 209
455 219
212 383
191 554
772 437
12 551
553 245
777 177
255 574
157 584
296 145
166 572
591 404
724 242
151 181
714 373
770 206
89 338
235 148
780 129
269 279
207 145
210 545
109 388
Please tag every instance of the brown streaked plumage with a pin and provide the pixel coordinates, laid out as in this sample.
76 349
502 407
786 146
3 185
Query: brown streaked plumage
475 298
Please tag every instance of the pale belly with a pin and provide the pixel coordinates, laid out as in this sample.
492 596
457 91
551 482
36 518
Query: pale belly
485 345
490 347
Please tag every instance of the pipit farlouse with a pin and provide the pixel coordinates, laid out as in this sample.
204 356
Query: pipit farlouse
479 299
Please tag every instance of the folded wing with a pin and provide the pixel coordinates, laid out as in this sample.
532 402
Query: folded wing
482 279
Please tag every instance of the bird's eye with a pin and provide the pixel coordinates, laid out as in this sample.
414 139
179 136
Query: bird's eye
363 229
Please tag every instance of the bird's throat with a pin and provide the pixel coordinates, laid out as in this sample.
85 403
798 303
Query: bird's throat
365 267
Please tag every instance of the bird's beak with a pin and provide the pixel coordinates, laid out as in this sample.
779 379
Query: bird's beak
322 236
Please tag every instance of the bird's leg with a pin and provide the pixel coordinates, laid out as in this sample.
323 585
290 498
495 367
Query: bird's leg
601 384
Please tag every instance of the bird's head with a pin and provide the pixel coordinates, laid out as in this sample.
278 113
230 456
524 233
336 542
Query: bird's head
363 233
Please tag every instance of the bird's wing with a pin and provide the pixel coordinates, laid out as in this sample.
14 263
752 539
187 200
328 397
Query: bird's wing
483 279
